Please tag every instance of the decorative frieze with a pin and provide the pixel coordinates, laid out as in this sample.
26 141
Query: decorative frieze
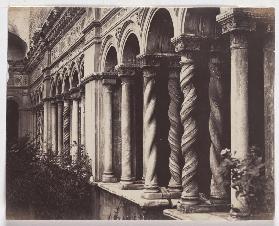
68 39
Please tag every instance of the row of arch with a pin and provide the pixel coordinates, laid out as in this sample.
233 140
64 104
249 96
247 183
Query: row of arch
160 25
62 81
67 78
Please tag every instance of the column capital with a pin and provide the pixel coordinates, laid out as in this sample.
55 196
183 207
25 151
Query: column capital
126 70
244 19
75 96
109 82
239 40
188 42
59 98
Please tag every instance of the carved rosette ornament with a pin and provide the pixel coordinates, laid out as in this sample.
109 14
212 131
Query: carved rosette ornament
218 191
188 45
176 129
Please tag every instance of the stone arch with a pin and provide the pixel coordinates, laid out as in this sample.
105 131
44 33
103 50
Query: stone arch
52 88
153 29
59 84
66 85
74 75
110 43
110 60
81 66
129 29
41 89
199 21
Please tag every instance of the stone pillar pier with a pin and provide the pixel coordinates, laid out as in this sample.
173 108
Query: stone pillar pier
238 24
176 129
218 192
66 127
188 46
53 128
59 127
150 151
108 175
74 130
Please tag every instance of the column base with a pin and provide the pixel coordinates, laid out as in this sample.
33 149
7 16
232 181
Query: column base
151 193
161 193
196 206
240 214
109 178
135 185
216 200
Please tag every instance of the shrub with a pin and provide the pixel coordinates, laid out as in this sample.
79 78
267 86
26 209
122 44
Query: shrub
246 177
51 187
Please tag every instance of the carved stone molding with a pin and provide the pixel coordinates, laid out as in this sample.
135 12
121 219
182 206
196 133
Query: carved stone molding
126 70
188 42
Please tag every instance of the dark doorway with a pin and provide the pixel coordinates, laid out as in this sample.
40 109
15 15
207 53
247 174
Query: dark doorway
12 122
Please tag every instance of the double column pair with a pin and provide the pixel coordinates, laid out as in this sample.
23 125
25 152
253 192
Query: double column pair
126 74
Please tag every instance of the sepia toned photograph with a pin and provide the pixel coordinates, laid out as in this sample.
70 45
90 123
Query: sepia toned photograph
140 113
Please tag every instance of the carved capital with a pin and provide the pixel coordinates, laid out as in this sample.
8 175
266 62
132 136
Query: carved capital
236 19
126 70
188 42
239 40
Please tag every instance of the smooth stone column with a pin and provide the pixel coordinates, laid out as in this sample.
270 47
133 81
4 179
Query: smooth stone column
239 110
53 128
126 154
74 130
268 62
82 120
108 175
45 127
218 191
59 127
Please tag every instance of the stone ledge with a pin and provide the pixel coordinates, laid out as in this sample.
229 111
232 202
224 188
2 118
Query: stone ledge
135 196
217 216
177 215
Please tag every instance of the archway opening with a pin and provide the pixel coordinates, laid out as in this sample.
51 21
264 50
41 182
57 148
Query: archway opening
59 86
111 60
12 122
66 84
131 50
75 79
158 42
160 33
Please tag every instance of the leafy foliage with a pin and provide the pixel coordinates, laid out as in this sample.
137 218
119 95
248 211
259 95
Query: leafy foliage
245 176
48 186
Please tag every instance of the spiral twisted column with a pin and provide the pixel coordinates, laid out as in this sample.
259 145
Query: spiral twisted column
66 127
189 46
150 124
175 132
216 121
